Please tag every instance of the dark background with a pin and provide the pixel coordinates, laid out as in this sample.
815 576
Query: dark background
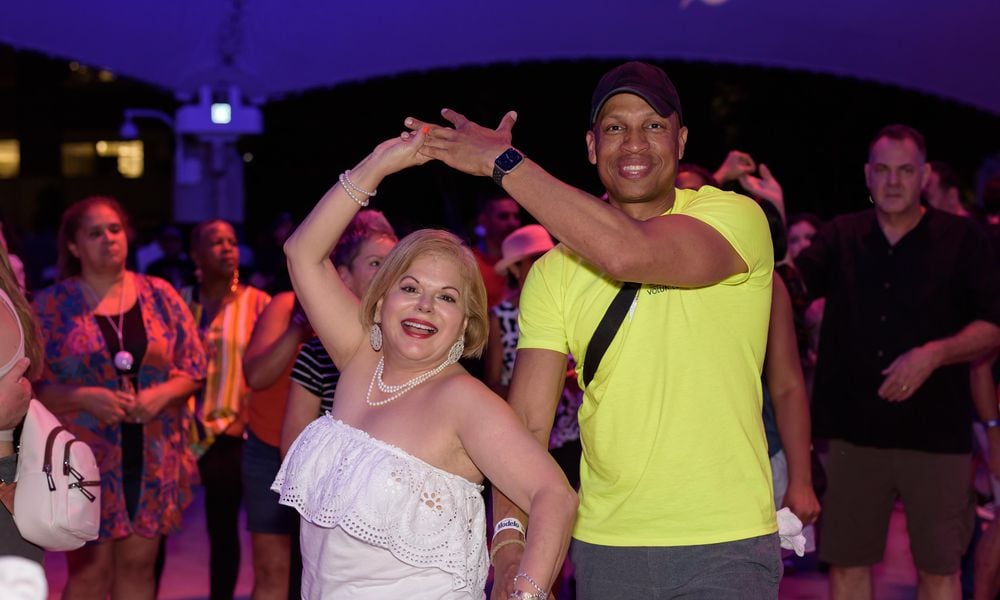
811 129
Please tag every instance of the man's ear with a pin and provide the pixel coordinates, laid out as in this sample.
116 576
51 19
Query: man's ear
71 246
591 147
925 174
682 138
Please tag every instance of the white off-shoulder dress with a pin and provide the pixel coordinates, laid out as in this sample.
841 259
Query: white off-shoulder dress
378 522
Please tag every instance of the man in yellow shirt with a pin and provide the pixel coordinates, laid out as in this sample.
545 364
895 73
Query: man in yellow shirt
675 494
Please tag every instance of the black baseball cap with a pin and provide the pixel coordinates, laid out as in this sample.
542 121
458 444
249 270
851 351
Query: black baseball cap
644 80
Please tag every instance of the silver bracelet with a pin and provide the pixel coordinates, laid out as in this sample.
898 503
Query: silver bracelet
347 178
519 595
522 575
347 190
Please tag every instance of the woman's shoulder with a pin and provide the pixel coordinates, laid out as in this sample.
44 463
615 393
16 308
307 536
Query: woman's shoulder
57 297
282 303
155 285
460 391
161 290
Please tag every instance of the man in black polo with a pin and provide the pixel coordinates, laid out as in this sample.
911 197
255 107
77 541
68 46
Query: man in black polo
912 295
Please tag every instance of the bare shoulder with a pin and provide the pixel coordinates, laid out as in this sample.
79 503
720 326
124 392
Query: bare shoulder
10 337
284 298
462 394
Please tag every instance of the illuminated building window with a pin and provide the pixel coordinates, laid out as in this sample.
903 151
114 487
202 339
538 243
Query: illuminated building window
10 159
87 159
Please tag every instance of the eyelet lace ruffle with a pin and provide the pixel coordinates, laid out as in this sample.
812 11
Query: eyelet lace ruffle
339 476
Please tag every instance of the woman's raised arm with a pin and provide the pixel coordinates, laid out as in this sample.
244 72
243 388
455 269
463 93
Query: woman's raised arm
331 307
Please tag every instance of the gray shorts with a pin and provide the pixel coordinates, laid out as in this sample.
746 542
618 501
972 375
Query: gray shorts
747 569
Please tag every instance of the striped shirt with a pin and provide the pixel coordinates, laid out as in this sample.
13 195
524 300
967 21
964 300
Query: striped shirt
314 370
225 339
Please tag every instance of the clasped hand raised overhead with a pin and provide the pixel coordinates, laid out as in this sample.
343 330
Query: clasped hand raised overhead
466 146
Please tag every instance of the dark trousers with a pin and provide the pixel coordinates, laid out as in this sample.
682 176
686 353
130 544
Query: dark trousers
220 474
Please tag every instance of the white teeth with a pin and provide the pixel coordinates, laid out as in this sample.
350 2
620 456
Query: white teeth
419 326
633 168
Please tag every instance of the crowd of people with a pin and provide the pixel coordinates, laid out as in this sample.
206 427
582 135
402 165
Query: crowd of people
649 390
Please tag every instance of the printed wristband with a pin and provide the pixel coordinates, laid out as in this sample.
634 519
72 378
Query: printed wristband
508 523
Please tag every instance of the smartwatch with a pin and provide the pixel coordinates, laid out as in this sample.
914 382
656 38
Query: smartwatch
505 163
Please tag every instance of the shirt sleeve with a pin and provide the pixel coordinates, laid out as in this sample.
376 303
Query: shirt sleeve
540 314
980 276
741 222
189 355
305 371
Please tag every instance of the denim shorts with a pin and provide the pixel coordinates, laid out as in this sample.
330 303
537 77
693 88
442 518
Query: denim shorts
260 465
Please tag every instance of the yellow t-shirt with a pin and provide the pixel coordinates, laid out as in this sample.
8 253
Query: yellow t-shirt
674 452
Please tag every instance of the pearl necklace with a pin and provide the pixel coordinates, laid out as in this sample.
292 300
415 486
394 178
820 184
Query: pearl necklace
402 388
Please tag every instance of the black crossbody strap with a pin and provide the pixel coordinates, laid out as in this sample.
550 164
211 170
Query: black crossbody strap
607 328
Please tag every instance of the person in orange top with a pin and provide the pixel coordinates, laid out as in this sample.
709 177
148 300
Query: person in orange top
498 218
280 331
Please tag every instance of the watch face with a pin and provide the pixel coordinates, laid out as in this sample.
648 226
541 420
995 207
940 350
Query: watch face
509 159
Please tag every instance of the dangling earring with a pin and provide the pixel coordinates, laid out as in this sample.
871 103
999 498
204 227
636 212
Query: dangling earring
870 199
376 337
234 283
456 351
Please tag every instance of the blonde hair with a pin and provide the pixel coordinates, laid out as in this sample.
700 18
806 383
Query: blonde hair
32 335
434 242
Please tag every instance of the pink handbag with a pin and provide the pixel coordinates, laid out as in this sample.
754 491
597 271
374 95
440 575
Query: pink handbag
57 502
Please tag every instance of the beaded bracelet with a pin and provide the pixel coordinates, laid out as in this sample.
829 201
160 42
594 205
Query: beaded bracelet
347 190
498 545
531 582
347 178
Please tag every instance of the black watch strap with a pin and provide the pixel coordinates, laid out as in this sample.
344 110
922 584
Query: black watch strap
505 163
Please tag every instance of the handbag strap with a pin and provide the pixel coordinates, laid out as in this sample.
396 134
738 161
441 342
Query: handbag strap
607 328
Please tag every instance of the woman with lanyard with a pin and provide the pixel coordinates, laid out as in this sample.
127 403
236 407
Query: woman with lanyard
122 357
226 312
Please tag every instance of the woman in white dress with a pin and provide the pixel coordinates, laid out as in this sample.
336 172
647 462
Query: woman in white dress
388 485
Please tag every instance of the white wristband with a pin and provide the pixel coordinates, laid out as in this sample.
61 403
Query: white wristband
508 523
